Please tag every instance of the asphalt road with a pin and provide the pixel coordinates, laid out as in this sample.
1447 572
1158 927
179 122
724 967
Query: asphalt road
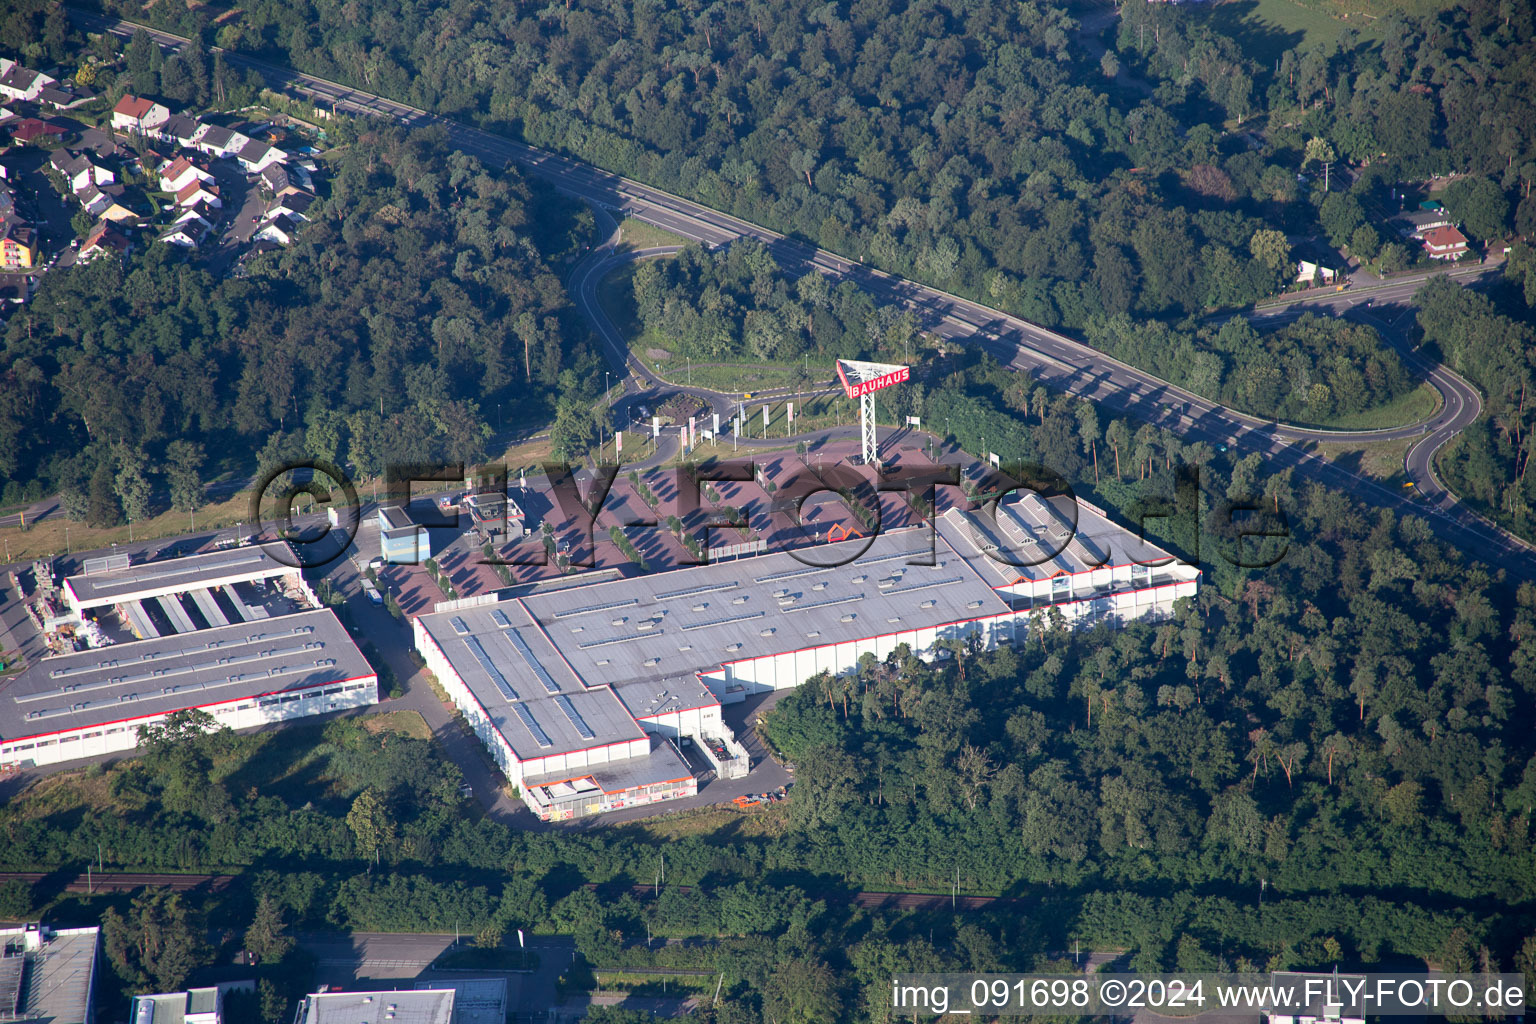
1053 358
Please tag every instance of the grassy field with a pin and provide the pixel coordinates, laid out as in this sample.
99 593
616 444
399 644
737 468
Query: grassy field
637 234
660 353
401 723
1381 461
57 535
1418 404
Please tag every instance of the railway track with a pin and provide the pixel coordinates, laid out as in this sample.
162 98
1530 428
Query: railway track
128 881
125 881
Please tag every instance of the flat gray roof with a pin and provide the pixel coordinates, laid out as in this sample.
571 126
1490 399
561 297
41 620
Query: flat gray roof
151 677
475 1000
175 576
425 1006
649 636
56 980
395 517
507 661
1027 530
662 764
646 699
670 625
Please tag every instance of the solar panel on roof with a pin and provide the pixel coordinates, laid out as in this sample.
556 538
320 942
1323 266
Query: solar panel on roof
691 591
789 575
616 640
825 602
575 717
872 559
458 625
924 586
722 621
539 670
539 735
473 643
569 612
500 618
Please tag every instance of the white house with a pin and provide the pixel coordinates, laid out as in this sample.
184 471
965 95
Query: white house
19 83
188 235
79 172
197 191
279 229
178 130
218 141
180 173
136 114
1307 272
256 157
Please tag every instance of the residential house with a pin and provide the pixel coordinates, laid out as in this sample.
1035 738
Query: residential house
1445 243
19 83
280 229
79 171
1308 272
105 202
188 235
7 114
201 216
30 129
14 288
198 191
178 130
180 173
282 181
102 240
64 96
219 142
293 206
18 244
137 114
1413 223
256 157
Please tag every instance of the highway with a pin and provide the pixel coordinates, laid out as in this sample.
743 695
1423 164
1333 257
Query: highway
1055 359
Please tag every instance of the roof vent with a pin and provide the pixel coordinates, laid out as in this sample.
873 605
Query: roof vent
739 600
700 607
928 604
767 632
813 634
619 621
847 618
733 647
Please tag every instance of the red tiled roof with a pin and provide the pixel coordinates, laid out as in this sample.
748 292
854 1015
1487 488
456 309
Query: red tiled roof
1445 237
30 128
134 106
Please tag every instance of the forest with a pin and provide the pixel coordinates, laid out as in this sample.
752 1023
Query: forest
1343 726
1342 729
736 303
419 300
1309 371
1488 336
980 146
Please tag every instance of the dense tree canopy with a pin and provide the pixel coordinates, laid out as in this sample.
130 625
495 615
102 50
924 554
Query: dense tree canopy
417 299
977 146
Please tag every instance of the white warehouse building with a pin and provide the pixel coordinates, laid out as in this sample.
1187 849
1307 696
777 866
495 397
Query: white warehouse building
237 634
580 692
